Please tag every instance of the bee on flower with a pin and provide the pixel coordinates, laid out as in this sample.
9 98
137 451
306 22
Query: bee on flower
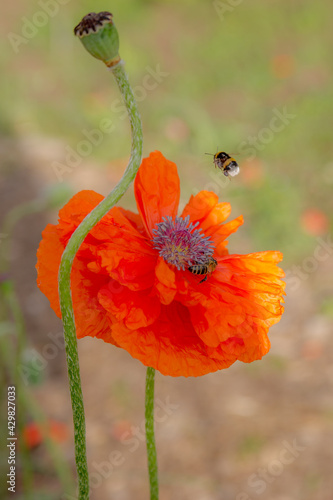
207 268
136 278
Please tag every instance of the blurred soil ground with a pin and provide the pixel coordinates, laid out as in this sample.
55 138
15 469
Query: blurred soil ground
219 437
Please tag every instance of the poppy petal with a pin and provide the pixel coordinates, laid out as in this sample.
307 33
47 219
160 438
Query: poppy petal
123 252
73 213
157 190
219 234
134 309
211 215
90 318
200 206
238 300
170 345
129 261
48 261
165 284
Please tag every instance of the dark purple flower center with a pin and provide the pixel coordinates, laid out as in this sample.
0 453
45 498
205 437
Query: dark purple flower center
180 243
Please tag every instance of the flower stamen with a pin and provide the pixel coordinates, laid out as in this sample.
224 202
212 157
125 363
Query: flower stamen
180 243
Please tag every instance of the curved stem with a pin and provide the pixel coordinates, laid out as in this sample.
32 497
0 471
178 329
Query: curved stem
150 434
65 270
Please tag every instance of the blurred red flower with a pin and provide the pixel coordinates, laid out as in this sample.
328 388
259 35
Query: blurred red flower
283 65
132 288
33 434
314 222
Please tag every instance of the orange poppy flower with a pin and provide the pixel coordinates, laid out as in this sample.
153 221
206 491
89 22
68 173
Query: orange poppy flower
132 287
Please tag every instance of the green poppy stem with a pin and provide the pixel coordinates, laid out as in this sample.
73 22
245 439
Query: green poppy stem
150 434
65 271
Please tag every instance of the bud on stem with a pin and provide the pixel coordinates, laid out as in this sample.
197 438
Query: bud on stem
99 36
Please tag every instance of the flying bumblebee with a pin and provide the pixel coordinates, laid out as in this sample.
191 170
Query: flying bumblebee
226 163
205 269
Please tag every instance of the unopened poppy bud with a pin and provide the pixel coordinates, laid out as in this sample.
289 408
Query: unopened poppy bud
99 36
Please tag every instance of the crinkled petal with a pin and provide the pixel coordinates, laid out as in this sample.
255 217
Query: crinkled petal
134 309
48 261
131 262
123 251
90 317
170 345
135 220
218 234
247 350
165 283
78 207
211 215
157 190
255 277
73 213
241 299
117 246
200 206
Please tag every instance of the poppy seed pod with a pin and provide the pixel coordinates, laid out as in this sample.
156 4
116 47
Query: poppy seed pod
99 36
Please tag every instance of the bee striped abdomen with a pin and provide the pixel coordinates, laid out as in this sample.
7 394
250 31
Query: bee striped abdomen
204 269
198 269
228 161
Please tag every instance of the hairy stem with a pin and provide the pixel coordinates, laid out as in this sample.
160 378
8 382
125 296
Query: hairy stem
150 434
65 271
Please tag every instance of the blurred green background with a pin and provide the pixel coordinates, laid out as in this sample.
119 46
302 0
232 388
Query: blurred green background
224 71
207 75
